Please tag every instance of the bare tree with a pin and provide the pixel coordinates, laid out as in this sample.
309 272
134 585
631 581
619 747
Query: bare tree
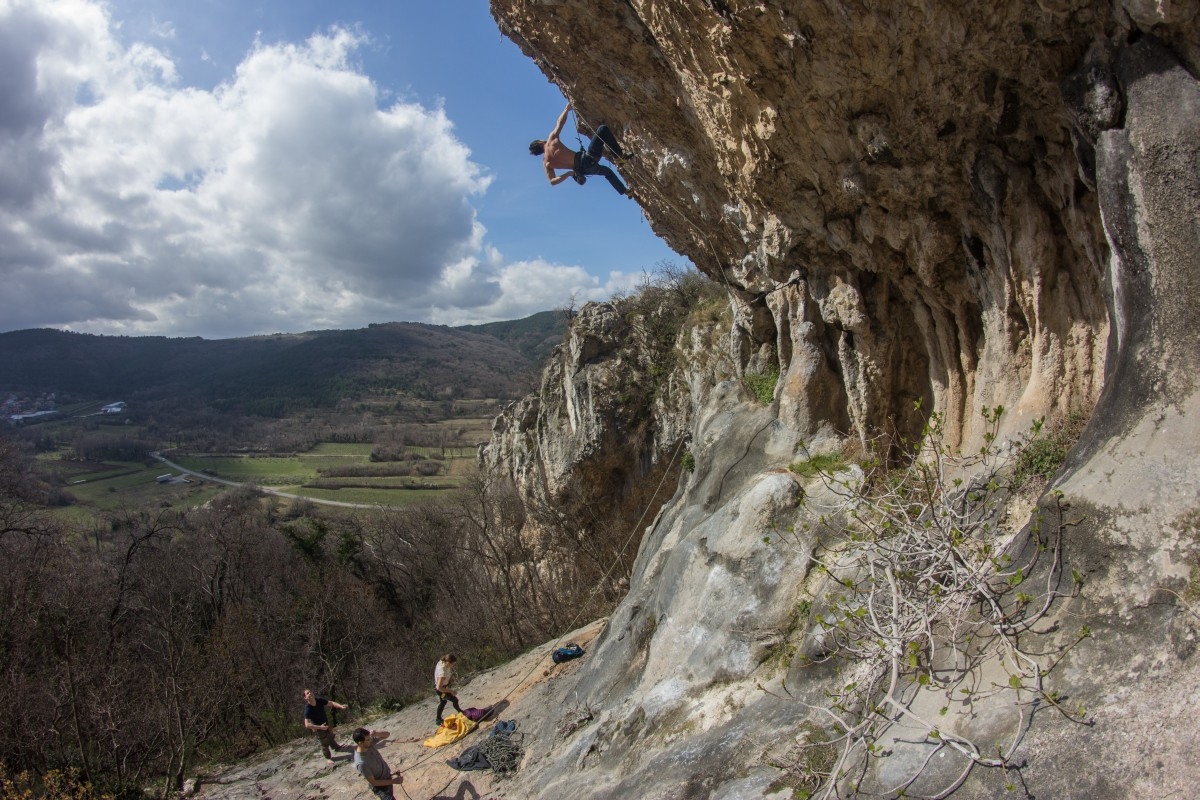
22 494
919 591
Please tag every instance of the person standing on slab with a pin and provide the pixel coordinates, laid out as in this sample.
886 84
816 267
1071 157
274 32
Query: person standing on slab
370 763
443 679
316 721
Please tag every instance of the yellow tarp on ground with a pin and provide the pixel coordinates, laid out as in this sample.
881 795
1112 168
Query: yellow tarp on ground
454 727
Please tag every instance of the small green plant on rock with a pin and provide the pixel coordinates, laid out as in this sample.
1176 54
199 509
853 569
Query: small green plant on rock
821 463
762 384
783 650
1046 447
806 764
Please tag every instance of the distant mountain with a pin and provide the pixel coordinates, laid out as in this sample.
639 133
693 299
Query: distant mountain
272 375
534 337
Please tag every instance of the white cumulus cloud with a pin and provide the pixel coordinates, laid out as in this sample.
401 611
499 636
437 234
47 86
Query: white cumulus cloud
284 199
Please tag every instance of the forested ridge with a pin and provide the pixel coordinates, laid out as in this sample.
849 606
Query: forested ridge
161 639
282 373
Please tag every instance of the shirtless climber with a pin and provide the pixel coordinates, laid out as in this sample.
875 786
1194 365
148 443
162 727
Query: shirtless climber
578 164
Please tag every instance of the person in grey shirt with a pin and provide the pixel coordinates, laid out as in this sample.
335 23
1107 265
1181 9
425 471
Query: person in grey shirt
371 765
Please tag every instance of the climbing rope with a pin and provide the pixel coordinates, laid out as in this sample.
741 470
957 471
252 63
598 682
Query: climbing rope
504 752
627 165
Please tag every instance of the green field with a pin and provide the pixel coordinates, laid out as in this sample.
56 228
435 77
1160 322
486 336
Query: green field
112 486
108 487
265 471
330 455
391 498
342 449
297 474
103 488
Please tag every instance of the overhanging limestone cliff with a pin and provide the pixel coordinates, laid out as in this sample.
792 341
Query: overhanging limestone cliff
892 192
967 204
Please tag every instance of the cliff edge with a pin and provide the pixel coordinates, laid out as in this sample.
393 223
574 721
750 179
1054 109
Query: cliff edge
920 213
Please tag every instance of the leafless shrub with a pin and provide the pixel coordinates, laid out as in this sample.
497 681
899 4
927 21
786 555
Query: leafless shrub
919 590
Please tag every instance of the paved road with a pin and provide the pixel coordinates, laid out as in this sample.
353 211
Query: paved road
265 489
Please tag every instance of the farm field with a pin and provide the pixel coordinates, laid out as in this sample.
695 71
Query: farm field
416 462
388 498
100 488
344 473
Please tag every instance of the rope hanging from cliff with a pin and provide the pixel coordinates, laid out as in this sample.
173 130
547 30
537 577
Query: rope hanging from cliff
627 166
608 573
628 163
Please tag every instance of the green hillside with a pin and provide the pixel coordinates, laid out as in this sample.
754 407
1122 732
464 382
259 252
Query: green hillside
278 374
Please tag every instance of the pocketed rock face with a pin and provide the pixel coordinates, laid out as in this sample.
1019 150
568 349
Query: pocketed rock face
963 203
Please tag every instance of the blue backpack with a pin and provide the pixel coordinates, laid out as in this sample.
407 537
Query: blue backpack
566 653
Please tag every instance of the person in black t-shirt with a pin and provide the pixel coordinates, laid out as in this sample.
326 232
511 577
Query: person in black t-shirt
316 721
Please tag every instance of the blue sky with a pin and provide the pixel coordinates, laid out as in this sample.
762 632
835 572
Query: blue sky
219 168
